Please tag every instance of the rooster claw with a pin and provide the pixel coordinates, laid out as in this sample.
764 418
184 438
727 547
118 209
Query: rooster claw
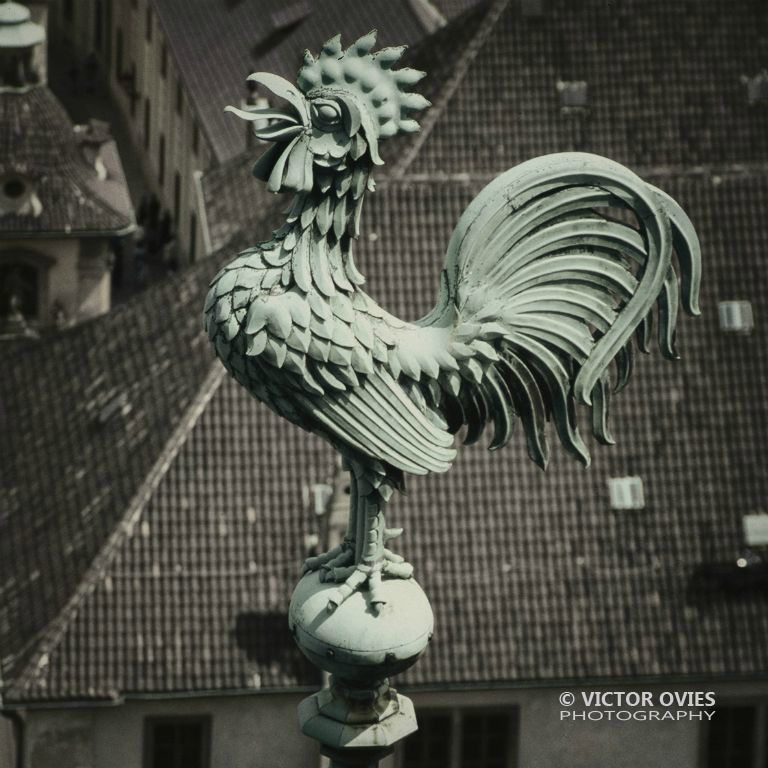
392 533
354 582
356 578
339 555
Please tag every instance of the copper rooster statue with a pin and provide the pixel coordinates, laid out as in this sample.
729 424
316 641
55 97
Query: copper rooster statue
540 302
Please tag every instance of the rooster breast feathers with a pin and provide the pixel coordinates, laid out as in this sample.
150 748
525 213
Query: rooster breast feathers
323 360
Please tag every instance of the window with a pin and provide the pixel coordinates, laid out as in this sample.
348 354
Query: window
734 738
147 120
163 60
176 198
20 283
192 235
179 96
485 740
177 742
130 81
148 24
118 52
463 739
430 746
195 137
98 25
161 160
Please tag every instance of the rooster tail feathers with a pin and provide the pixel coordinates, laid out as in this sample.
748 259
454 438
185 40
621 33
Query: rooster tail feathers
546 266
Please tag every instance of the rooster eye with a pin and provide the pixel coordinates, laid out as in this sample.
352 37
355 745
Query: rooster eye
326 114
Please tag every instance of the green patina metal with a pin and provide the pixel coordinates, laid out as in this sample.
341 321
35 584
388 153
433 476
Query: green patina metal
544 295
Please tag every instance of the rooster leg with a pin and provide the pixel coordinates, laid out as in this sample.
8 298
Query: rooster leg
373 560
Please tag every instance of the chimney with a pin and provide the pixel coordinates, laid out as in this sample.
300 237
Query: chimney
22 47
253 101
337 508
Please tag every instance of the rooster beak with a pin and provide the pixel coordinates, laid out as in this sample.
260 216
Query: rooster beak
280 125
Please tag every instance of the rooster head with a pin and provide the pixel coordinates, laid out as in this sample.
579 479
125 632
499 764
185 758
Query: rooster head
346 102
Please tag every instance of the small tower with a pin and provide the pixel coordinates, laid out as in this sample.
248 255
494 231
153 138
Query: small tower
21 49
64 201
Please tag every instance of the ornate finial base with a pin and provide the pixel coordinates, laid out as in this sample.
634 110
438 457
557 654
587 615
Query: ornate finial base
359 718
357 725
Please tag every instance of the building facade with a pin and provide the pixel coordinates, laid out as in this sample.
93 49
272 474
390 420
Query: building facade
519 727
143 77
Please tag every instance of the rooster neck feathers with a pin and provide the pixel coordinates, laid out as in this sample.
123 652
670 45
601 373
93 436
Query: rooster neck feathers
320 227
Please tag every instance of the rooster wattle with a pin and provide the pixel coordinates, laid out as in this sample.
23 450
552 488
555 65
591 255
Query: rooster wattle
540 302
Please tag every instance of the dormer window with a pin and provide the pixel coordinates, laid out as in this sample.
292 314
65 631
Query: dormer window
626 492
756 87
736 316
14 188
574 94
17 196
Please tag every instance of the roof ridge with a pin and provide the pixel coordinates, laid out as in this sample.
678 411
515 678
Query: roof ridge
55 630
727 170
465 61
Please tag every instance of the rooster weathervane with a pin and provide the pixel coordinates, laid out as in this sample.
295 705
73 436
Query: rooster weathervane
543 294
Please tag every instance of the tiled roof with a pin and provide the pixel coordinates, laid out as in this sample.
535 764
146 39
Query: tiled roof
39 144
664 82
236 203
84 416
532 576
218 43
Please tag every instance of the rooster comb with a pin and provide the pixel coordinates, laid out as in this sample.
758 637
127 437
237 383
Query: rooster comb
370 78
